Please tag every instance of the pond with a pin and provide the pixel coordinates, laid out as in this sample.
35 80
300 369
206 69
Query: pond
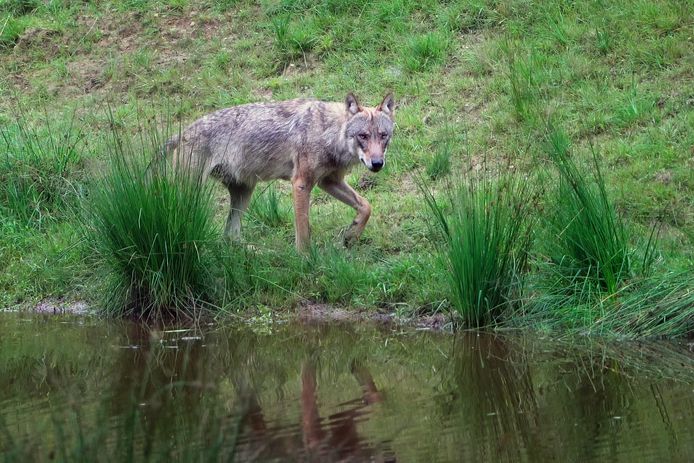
80 388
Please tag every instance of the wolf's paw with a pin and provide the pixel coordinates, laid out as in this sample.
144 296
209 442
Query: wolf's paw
349 240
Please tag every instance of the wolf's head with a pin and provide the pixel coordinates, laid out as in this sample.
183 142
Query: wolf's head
369 130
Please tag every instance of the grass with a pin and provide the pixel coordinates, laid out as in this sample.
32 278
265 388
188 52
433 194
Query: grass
153 228
425 51
660 305
656 306
590 243
39 170
267 208
486 241
613 76
591 280
440 164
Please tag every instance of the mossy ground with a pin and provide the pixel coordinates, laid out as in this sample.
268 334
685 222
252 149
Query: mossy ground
474 80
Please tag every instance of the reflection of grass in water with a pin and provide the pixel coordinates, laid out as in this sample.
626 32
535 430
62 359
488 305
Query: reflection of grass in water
167 413
593 356
487 389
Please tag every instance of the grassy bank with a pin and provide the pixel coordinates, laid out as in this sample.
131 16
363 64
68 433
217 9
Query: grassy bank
476 83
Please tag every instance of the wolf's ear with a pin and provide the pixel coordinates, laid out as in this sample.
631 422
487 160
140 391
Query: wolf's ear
387 105
352 104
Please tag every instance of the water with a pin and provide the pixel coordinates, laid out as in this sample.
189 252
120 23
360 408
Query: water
86 389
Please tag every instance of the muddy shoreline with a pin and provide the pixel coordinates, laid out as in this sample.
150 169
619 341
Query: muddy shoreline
306 312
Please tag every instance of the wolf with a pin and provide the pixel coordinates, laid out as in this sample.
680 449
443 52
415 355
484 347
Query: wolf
307 142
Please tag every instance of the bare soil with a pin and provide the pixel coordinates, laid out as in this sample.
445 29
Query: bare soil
311 312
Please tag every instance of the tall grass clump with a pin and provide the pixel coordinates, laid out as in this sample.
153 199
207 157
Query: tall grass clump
153 228
523 86
11 29
19 7
590 247
485 230
39 170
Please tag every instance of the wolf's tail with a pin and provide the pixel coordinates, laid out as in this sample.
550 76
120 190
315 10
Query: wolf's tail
164 153
170 145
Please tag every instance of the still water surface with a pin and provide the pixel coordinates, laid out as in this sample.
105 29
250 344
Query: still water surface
86 389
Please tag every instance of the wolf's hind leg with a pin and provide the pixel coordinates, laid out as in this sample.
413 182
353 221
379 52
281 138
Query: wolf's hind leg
239 197
339 189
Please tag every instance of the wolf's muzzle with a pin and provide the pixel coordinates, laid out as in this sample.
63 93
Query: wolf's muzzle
376 165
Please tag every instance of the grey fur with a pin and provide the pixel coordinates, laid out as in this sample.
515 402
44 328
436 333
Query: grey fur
245 144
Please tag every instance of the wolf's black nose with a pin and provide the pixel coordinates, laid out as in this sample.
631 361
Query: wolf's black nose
376 165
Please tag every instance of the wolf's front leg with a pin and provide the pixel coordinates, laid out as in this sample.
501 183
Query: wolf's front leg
301 189
339 189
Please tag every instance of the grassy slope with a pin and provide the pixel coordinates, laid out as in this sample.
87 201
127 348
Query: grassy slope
477 76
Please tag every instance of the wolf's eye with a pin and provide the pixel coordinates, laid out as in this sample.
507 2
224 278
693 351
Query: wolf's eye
363 136
384 135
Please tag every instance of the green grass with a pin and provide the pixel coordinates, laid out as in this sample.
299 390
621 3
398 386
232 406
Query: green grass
615 76
590 243
440 163
268 209
659 305
425 51
153 228
486 229
39 170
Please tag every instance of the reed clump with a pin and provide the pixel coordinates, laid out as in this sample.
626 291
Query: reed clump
152 226
589 246
484 236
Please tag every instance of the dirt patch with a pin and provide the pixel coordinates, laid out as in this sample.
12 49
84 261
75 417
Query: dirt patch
307 313
55 307
38 37
311 312
122 35
664 177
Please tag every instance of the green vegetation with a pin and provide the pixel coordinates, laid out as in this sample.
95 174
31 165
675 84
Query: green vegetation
267 208
153 227
590 280
473 80
590 246
39 172
486 241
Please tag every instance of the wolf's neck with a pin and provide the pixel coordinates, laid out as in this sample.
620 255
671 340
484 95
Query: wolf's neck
336 142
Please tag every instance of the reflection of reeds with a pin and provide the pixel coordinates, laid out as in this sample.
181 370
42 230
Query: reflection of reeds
162 407
495 390
510 397
592 356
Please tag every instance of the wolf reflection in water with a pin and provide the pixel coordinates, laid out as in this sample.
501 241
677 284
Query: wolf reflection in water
333 439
